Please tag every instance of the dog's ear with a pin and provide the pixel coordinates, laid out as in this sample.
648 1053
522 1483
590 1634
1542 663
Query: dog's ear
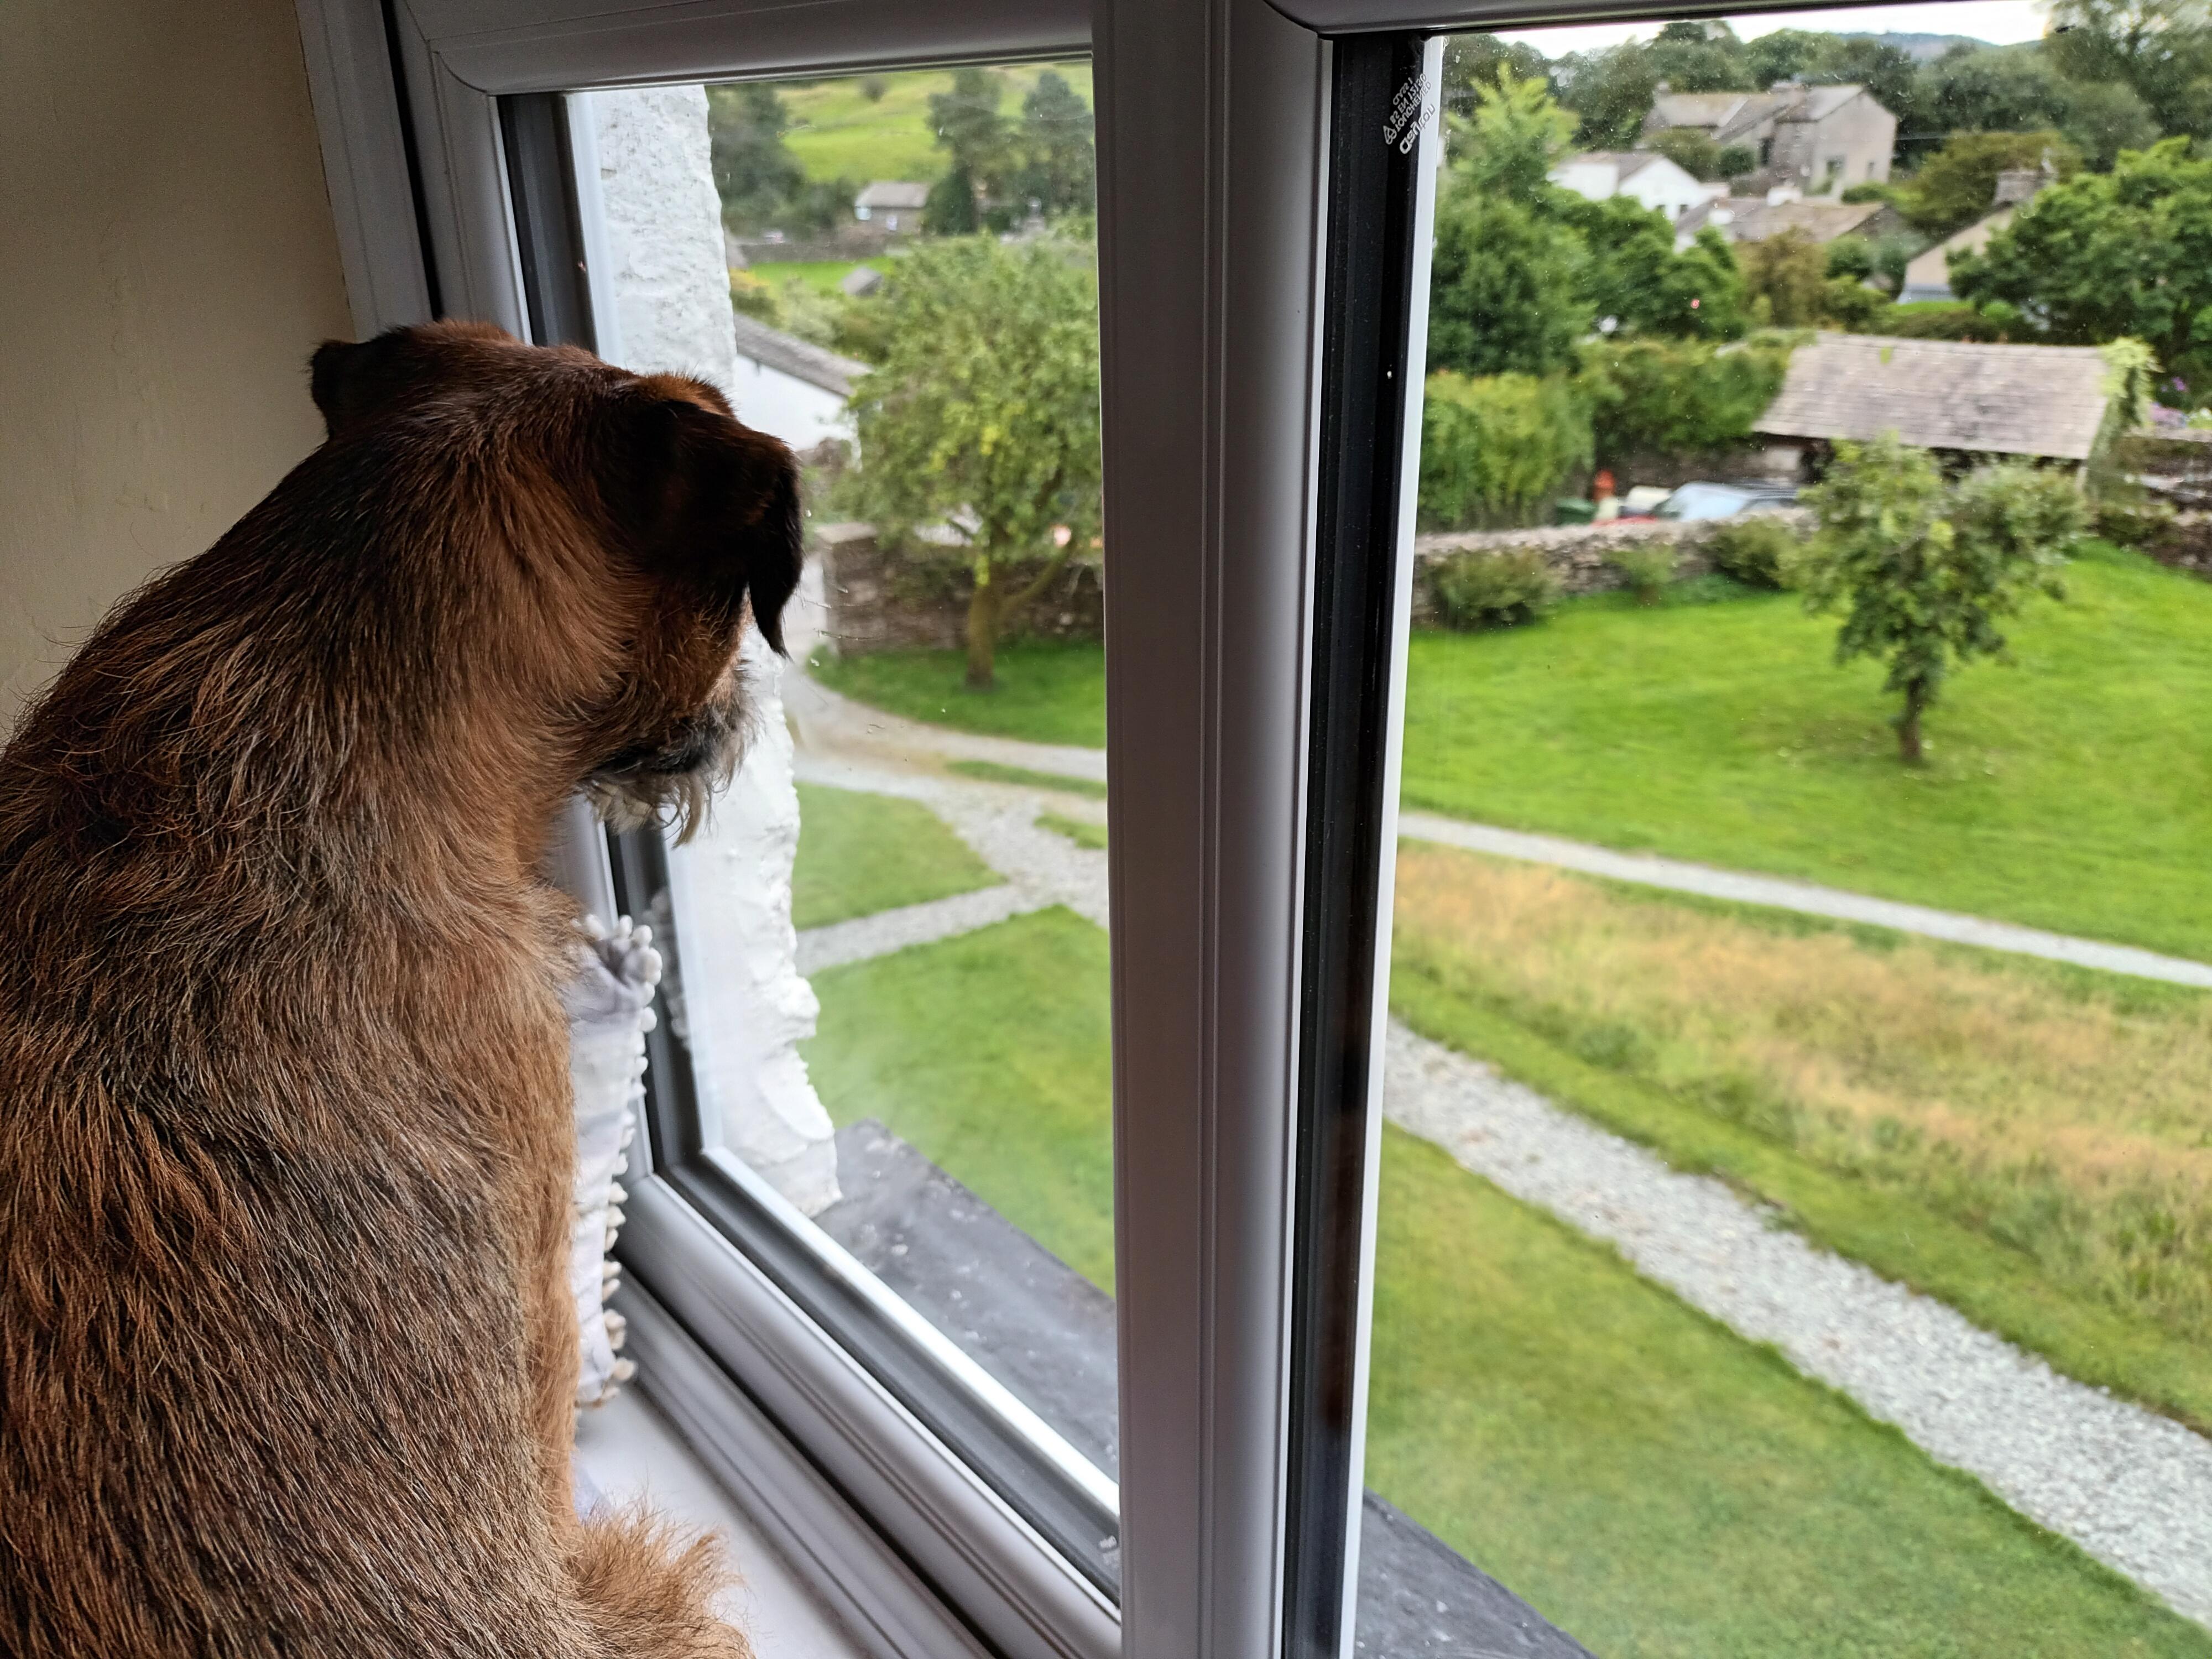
712 506
353 383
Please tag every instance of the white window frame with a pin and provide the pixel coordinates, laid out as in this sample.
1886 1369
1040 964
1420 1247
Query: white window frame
1213 135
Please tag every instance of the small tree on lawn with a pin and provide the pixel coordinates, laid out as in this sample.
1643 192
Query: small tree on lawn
1927 570
983 419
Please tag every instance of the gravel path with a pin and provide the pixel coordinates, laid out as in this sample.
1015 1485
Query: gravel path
826 719
2130 1487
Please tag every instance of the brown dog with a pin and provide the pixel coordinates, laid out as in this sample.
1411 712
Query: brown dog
287 1356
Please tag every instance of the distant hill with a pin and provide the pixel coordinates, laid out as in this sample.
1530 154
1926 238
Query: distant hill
1919 47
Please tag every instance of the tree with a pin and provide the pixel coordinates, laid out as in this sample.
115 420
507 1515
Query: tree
1633 275
1697 57
1991 90
2107 255
983 419
2105 118
1785 277
1656 397
1692 150
1610 90
1509 145
754 172
1473 60
1504 290
1496 450
1734 161
1958 185
1927 571
2160 48
968 123
950 208
1060 167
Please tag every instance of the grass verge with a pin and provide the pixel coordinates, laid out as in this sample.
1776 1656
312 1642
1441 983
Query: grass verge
1942 1121
1091 836
1047 693
860 854
992 772
1652 1482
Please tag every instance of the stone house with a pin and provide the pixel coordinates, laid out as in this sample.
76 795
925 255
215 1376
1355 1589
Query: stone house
1929 276
1818 140
1651 178
889 204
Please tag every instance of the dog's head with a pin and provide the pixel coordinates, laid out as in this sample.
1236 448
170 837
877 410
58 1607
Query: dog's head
646 525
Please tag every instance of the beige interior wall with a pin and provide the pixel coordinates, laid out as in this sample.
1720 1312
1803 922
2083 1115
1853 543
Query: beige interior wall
167 262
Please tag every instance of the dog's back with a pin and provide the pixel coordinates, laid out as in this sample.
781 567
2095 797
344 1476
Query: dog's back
283 1155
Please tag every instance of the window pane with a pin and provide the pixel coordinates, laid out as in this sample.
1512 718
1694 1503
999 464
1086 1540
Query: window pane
1795 1219
894 273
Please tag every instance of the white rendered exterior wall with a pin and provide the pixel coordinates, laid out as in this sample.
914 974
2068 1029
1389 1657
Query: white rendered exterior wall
660 301
797 412
1658 183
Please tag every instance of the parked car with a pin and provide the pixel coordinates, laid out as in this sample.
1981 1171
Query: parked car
1705 500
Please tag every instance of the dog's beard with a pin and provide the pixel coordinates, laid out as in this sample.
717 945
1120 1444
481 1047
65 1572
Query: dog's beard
673 780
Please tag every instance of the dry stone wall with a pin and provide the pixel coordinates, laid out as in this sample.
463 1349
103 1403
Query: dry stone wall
878 601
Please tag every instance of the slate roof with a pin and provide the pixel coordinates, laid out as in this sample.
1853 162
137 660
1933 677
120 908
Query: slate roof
802 360
1627 162
1753 219
1730 115
892 193
1944 394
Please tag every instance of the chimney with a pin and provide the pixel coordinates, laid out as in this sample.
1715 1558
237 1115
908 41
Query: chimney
2016 184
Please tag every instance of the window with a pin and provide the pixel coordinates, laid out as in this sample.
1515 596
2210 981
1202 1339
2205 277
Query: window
1429 1330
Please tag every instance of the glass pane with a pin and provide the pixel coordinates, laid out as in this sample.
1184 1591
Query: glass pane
894 272
1795 1226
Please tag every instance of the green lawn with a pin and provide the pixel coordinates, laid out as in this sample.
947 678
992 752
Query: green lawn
2071 790
822 276
1647 1479
1046 693
860 854
990 1052
838 132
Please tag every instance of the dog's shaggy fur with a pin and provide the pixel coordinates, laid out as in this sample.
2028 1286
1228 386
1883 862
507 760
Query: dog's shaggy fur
287 1354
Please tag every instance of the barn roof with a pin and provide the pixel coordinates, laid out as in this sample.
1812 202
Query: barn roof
894 193
802 360
1944 394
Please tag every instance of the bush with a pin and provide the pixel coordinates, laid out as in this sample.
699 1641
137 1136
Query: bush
1851 256
756 297
1756 551
1736 160
1495 450
1646 568
1665 397
1492 590
2133 524
1852 305
1938 320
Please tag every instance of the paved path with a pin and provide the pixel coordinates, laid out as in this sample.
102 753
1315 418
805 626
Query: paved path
2130 1487
826 719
